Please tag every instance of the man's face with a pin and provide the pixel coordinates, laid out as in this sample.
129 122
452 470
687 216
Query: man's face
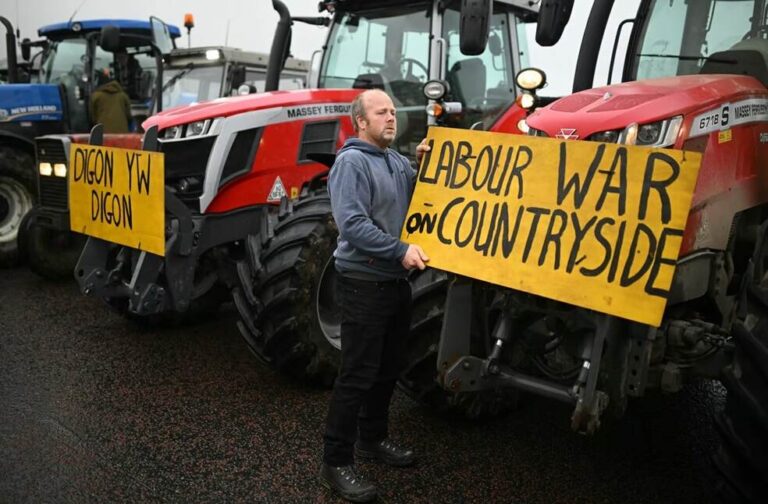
379 126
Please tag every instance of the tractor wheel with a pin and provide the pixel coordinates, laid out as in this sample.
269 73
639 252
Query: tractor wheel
419 379
742 459
286 297
50 253
17 190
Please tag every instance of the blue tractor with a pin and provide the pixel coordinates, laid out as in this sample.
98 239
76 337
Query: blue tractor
55 98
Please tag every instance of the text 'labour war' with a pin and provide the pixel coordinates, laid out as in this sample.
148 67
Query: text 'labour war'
594 222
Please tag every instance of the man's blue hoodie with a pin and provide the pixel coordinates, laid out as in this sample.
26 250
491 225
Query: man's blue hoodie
370 191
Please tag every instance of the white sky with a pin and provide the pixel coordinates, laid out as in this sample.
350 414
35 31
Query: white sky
250 25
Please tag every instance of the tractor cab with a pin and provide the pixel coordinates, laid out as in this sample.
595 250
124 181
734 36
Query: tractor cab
75 59
689 38
400 46
200 74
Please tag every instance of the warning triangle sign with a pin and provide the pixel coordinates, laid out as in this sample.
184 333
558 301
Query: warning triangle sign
277 191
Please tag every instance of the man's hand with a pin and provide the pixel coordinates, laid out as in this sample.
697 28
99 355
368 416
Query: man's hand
414 258
420 150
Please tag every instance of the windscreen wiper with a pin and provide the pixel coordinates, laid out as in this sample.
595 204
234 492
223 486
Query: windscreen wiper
188 68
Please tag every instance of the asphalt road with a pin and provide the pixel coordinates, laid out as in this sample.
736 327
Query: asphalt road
94 408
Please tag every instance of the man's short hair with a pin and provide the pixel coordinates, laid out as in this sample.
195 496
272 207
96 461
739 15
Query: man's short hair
357 110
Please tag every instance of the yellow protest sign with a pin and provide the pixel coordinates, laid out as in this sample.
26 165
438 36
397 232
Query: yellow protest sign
118 195
590 224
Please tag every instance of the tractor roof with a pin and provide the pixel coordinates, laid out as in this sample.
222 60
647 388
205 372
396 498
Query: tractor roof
199 55
357 5
70 29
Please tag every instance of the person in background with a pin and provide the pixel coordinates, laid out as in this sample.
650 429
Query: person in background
110 106
370 187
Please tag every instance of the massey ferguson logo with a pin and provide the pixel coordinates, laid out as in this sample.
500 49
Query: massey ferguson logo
567 134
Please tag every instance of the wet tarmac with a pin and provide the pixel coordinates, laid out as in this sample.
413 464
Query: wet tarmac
94 408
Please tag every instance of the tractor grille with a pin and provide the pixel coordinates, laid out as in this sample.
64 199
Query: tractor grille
50 149
185 163
53 190
318 137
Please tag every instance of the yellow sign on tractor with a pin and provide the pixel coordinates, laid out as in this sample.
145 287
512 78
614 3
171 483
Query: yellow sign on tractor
590 224
118 195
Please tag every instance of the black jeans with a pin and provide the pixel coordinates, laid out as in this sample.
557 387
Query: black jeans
375 320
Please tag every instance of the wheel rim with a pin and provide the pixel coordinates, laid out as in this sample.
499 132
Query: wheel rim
328 312
15 202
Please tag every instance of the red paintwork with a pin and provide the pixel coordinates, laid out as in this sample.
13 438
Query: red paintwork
277 155
225 107
730 179
278 150
507 122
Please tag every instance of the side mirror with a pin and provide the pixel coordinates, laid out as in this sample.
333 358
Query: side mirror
473 34
161 35
553 16
26 49
109 38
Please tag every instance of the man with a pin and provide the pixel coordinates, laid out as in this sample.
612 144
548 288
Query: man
370 187
110 106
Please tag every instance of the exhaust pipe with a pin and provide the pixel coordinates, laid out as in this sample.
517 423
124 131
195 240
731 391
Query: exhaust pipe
280 46
10 45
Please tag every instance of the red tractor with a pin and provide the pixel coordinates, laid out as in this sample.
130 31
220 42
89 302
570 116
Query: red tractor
189 75
695 78
246 205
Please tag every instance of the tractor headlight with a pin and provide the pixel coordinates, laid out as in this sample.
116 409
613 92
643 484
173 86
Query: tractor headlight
531 79
60 170
526 101
656 134
45 169
435 89
172 132
611 136
196 128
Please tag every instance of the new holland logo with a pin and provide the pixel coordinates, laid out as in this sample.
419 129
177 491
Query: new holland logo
277 191
567 134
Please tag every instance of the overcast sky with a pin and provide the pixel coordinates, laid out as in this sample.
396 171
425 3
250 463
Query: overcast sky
250 25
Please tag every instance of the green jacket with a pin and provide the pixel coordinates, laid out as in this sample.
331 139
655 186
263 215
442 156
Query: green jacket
111 107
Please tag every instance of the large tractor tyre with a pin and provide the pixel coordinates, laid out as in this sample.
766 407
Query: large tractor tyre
50 253
286 298
419 378
742 459
17 196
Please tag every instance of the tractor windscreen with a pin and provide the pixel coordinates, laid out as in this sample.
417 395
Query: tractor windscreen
389 49
680 36
484 84
63 60
386 49
191 84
